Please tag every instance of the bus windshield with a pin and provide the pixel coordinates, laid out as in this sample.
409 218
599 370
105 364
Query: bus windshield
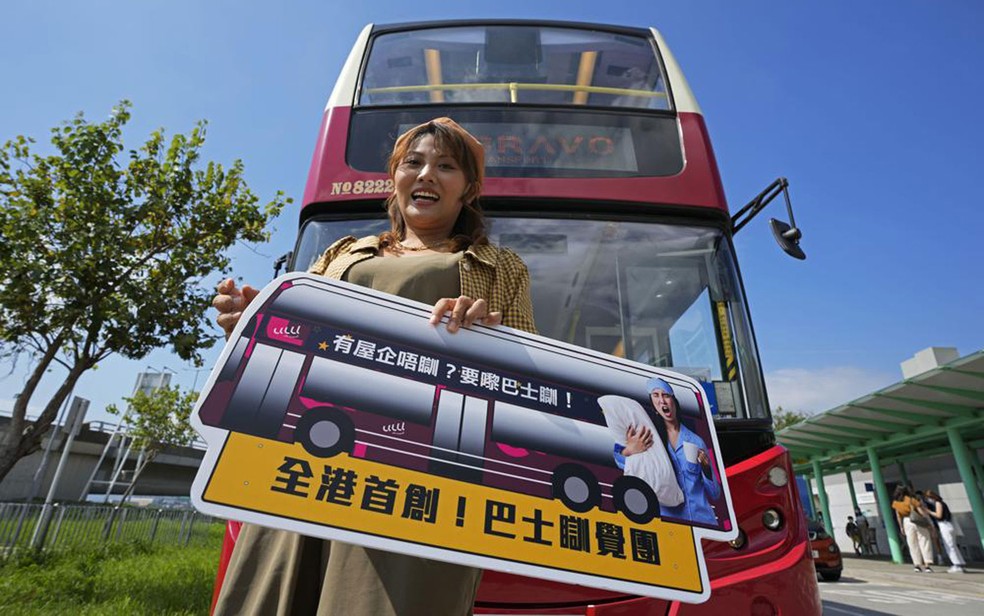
662 294
510 64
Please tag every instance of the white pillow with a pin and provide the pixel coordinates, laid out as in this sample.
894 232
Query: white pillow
653 465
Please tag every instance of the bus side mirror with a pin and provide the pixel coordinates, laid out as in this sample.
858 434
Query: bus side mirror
787 234
788 238
282 262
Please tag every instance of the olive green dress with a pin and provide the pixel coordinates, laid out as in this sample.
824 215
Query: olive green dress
274 572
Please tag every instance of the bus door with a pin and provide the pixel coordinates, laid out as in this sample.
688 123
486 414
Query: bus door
459 436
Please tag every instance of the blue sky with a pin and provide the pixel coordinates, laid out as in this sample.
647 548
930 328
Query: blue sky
871 109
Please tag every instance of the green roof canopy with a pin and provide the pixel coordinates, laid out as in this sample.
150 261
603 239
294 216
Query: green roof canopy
906 420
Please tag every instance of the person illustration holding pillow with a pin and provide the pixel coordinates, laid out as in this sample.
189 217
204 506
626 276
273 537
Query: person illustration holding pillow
687 453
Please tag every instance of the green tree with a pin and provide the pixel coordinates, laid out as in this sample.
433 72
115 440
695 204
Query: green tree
105 251
156 420
782 419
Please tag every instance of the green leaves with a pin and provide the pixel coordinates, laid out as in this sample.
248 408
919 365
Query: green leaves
106 249
113 247
160 418
783 419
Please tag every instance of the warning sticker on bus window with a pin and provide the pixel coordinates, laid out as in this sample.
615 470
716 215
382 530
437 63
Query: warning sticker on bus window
339 412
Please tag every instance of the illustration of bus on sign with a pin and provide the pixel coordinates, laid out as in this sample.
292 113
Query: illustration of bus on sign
343 369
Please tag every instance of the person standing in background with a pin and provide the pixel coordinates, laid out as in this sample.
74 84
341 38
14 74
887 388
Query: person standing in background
864 531
934 531
940 512
909 510
852 532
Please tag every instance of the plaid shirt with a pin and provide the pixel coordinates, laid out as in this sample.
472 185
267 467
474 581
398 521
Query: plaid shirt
487 272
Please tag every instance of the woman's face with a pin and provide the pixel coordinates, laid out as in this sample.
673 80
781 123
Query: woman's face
664 405
429 188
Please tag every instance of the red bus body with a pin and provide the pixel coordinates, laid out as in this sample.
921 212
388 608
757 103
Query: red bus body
698 185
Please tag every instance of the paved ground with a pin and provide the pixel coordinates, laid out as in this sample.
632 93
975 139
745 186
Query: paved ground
875 587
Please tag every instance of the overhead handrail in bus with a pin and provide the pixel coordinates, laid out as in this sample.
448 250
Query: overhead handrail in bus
514 87
787 234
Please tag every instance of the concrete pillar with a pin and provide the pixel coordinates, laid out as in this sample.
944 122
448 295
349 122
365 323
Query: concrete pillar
824 503
809 495
885 510
854 496
978 469
903 475
965 466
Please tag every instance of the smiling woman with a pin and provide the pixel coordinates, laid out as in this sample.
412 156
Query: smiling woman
436 251
432 189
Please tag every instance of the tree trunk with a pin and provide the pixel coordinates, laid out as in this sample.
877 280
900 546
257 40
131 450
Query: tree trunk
151 454
28 440
18 415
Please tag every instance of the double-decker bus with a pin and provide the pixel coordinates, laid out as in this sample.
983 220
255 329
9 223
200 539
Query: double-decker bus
601 176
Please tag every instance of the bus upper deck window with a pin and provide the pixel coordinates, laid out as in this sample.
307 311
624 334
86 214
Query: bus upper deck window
518 64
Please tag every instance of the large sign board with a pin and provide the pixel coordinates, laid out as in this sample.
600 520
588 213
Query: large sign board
339 412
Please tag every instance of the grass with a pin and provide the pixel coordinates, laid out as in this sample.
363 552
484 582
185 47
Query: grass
131 577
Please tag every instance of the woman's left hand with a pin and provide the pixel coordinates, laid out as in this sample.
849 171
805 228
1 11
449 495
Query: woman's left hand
703 460
465 311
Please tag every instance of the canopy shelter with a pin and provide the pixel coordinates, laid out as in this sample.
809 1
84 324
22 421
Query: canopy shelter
939 411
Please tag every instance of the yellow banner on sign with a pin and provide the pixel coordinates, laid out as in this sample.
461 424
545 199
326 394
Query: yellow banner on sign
355 494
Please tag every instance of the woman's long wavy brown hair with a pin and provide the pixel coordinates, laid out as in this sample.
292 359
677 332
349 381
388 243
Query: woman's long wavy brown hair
451 140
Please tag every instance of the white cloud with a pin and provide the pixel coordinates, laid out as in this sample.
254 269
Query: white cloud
821 389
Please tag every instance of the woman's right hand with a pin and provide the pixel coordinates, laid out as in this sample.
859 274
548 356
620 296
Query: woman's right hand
230 302
465 312
637 440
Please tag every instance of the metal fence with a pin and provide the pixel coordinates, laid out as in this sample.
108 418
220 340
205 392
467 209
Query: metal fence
74 526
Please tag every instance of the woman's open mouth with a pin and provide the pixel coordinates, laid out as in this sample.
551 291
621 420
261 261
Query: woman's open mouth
424 197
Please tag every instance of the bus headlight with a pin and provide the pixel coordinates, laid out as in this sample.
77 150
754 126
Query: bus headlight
778 476
772 519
